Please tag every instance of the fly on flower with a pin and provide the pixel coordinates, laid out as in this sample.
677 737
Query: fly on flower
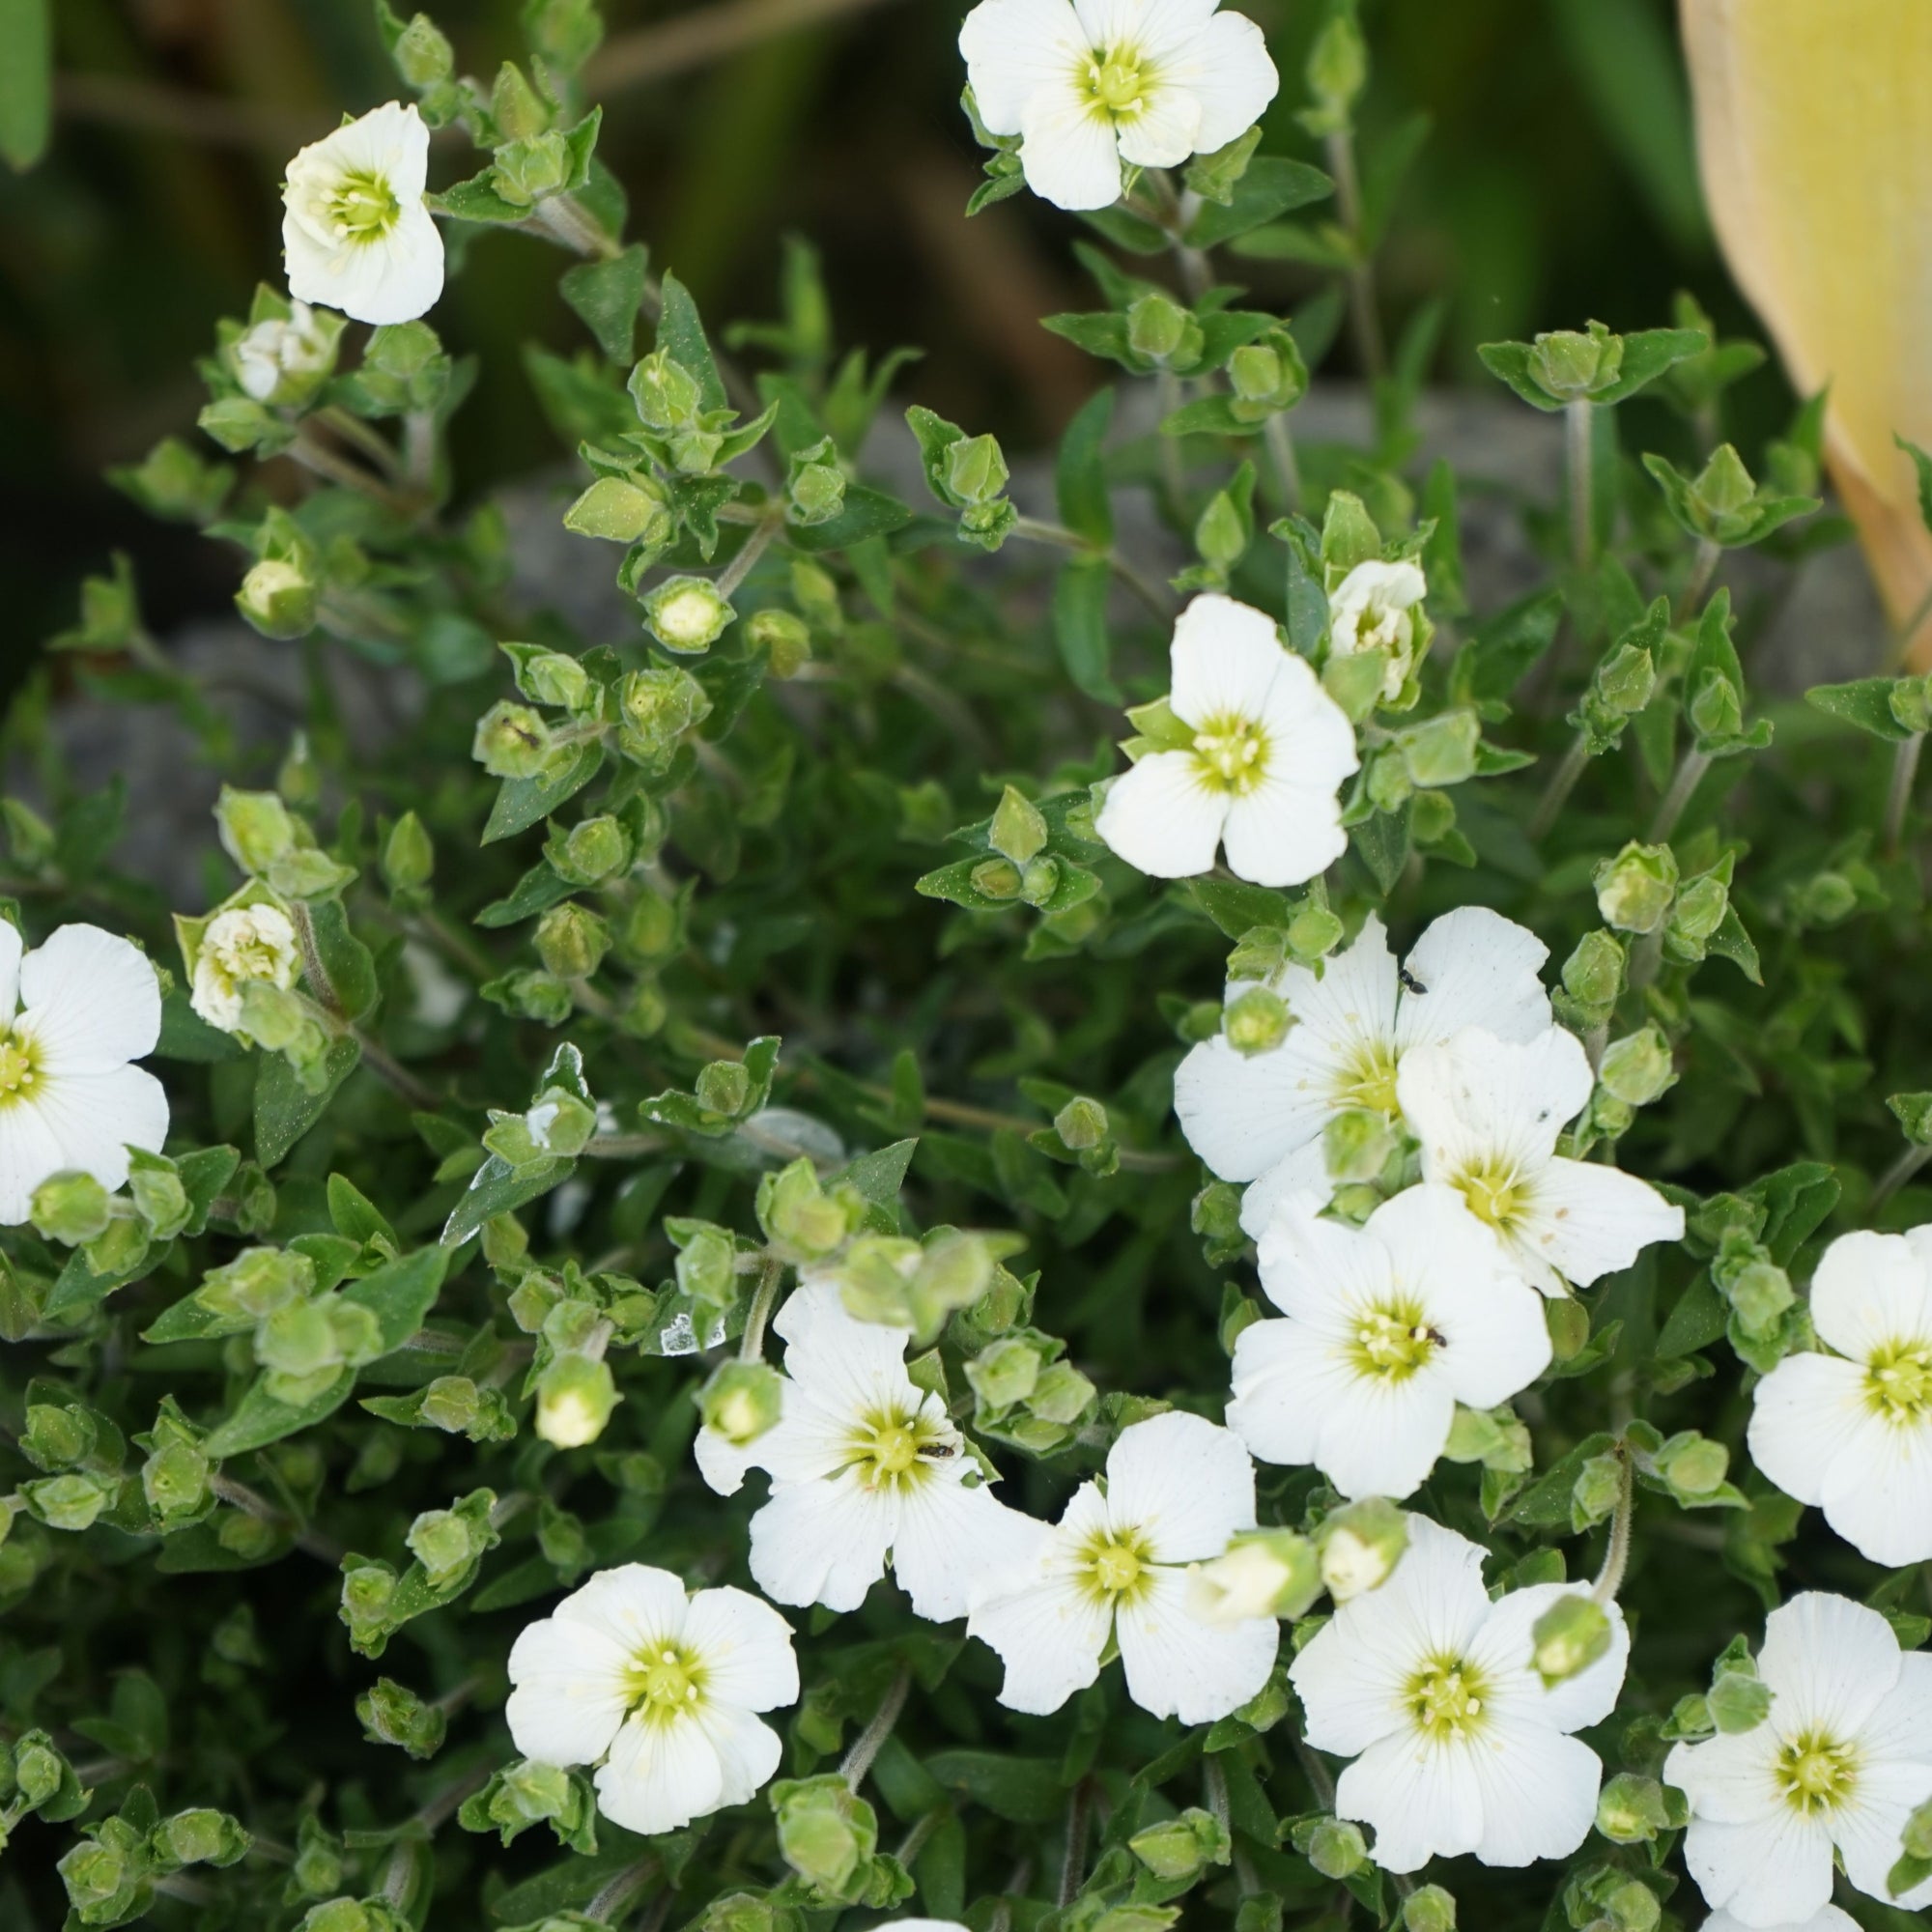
1090 85
1114 1567
1259 1118
1246 754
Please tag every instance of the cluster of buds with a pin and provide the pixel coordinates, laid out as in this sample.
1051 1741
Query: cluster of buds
110 1874
526 1793
448 1547
1723 505
1590 365
1592 981
1028 858
1184 1846
828 1836
1609 1898
1633 1809
1025 1394
1623 683
392 1713
967 473
115 1231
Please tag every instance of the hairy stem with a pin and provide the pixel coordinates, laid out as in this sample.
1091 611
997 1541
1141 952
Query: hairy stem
1690 775
1034 531
1363 317
858 1761
1898 797
1616 1558
1073 1866
750 551
1577 426
752 1344
324 1548
1279 442
1562 782
1896 1176
1703 571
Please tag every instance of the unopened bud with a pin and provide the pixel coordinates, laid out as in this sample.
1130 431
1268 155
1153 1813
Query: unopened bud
72 1209
1361 1544
1336 1848
1161 331
1179 1847
1693 1466
1257 1021
1081 1123
1005 1372
1739 1702
1429 1909
575 1400
572 941
511 742
976 469
1638 1068
742 1400
1568 365
724 1087
279 599
1262 1572
1593 975
1632 1810
786 637
1635 888
1567 1638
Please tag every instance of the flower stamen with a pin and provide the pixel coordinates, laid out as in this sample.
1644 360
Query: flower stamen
1445 1698
21 1072
1898 1382
1816 1773
1233 754
1495 1189
1393 1341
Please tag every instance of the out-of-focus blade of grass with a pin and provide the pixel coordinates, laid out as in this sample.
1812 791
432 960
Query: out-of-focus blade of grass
26 81
1622 55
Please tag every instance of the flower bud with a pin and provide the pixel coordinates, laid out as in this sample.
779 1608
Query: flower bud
531 170
1593 975
1697 914
665 392
1625 680
511 742
1161 331
203 1836
282 361
707 1267
798 1214
572 941
445 1543
724 1087
1180 1847
1257 1021
1739 1702
174 1479
69 1502
656 708
1361 1544
687 614
367 1594
1357 1144
1759 1293
1335 1848
392 1713
1429 1909
1081 1123
1597 1490
1442 751
1825 899
1635 888
1262 1572
826 1832
529 1793
72 1209
976 469
422 53
58 1438
1568 365
279 599
592 851
785 636
1633 1907
1567 1638
1632 1810
575 1400
97 1875
1005 1373
408 858
997 879
1314 932
623 510
742 1400
1061 1396
1221 535
298 1340
814 484
256 1282
1638 1068
1693 1466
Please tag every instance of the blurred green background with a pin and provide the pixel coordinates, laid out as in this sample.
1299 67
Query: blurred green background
1557 183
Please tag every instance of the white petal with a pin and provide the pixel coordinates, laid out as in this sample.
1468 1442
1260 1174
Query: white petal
90 1000
748 1750
745 1648
1476 1096
29 1154
848 1366
1226 657
1830 1661
1901 1727
1831 1920
822 1542
1480 970
1868 1827
1161 818
660 1776
1014 47
1069 152
1423 1803
1381 1439
1284 1379
1586 1220
11 948
1729 1779
633 1607
571 1692
1539 1793
1228 69
1871 1291
1165 130
1877 1493
1504 1648
1282 833
1242 1115
1773 1872
96 1118
1311 743
406 278
1049 1633
1178 1666
1150 28
723 1463
1304 1172
948 1537
1804 1414
1185 1484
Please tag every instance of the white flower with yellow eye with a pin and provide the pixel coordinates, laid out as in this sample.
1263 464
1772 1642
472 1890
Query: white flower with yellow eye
245 943
1374 609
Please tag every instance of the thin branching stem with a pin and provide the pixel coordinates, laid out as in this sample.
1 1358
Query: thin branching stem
858 1761
1578 469
1562 782
1898 795
752 1344
1616 1557
1689 775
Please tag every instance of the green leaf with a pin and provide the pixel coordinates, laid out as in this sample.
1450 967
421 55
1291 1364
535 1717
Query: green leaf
285 1110
1381 843
400 1295
1238 907
26 81
866 514
477 200
344 959
1504 650
537 890
1271 187
259 1419
1865 702
607 295
1080 626
1696 1321
681 334
498 1188
1022 1790
522 802
1080 477
878 1175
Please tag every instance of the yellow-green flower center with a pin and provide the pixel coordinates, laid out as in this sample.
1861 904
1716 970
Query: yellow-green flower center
1445 1699
1898 1382
1117 81
1116 1563
1392 1342
1368 1079
666 1681
891 1451
1496 1191
363 207
1815 1773
20 1072
1232 752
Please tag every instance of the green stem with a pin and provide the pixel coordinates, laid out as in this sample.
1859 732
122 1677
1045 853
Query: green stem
1703 571
1896 1176
1562 782
1279 442
565 218
1363 317
1690 775
752 1344
1034 531
619 1892
1577 428
238 1495
1899 799
1073 1864
1616 1557
858 1761
750 551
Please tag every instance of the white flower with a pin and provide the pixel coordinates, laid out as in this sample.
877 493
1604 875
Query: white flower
251 942
1373 609
1843 1759
1389 1326
281 360
1268 747
1852 1431
1089 84
1458 1747
72 1013
1829 1919
356 234
1488 1113
656 1688
1116 1564
1261 1117
863 1466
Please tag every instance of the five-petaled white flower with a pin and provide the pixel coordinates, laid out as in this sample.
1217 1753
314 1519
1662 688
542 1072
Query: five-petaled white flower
1090 84
863 1466
1261 1117
1488 1113
1829 1919
1841 1762
1268 748
1374 609
245 943
1388 1328
281 359
1177 1489
72 1013
659 1690
1458 1747
356 234
1852 1431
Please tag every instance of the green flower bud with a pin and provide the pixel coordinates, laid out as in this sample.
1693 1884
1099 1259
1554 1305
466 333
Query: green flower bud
529 1793
1638 1068
996 879
826 1832
531 170
1361 1544
1567 1638
572 941
367 1593
1569 366
1314 932
1429 1909
797 1214
1633 1907
1917 1836
666 394
553 677
532 995
453 1404
203 1836
445 1543
653 927
1597 1490
1632 1810
1179 1847
1336 1849
976 471
279 599
1740 1701
1693 1466
1442 751
339 1914
1005 1373
1061 1396
815 591
592 851
814 484
557 1127
72 1209
1256 1022
1337 72
742 1400
1593 975
1220 535
741 1912
57 1438
69 1502
392 1715
298 1340
1262 1572
1161 331
256 828
1825 898
422 53
575 1400
657 707
1019 829
707 1267
1696 916
1254 372
408 858
687 614
623 510
246 1536
174 1479
1357 1144
38 1768
785 636
1635 888
98 1878
724 1087
1759 1292
511 742
1081 1123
